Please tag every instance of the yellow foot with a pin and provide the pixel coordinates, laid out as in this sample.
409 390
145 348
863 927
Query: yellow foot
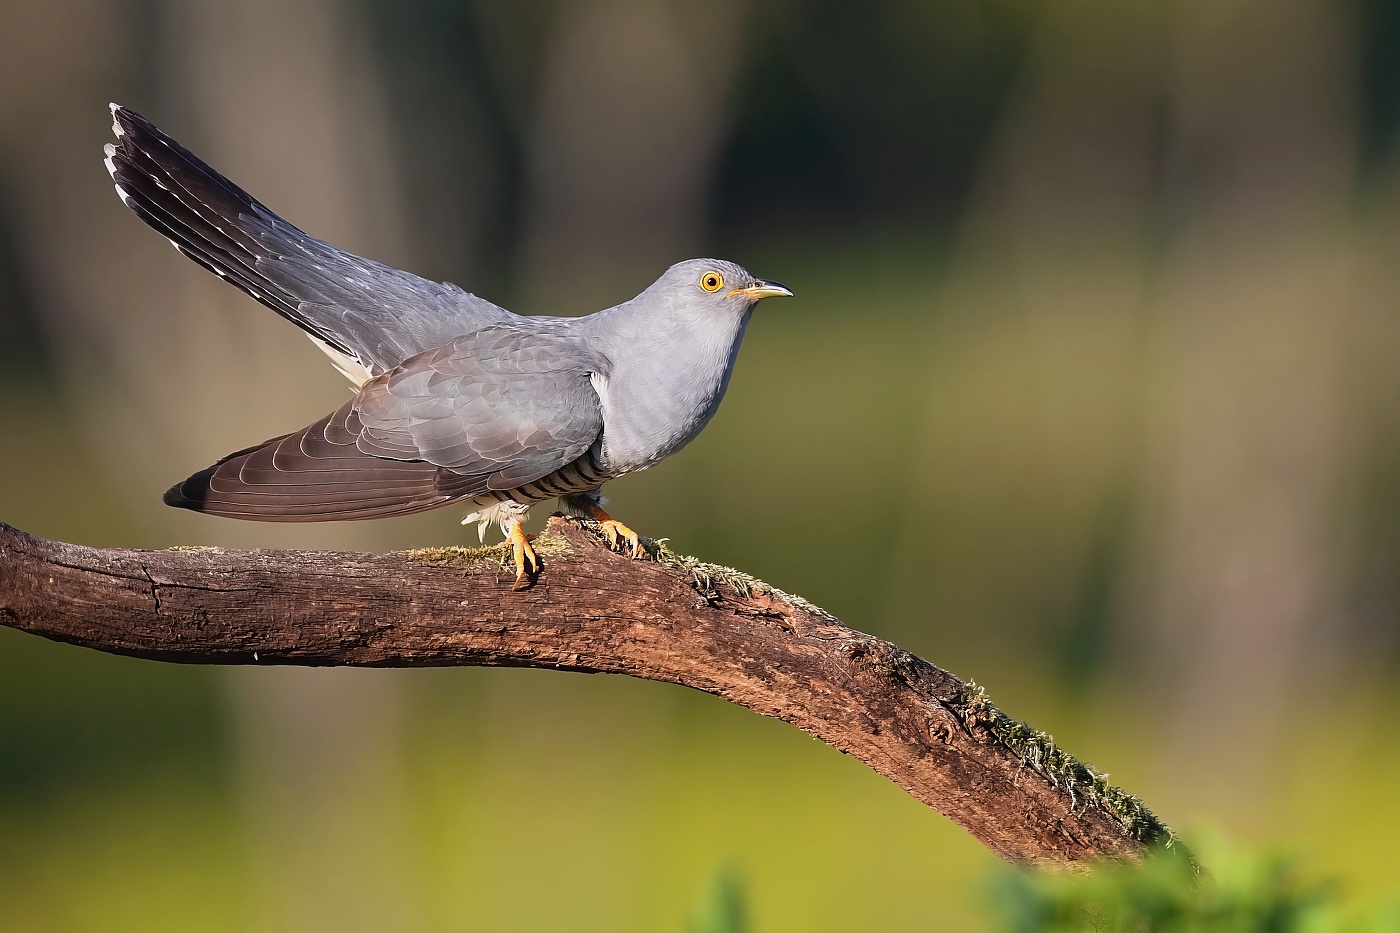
619 534
527 562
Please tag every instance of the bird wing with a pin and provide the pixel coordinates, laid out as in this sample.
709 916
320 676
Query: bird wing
374 315
486 412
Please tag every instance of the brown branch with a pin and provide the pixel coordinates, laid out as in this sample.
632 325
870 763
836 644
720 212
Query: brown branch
671 619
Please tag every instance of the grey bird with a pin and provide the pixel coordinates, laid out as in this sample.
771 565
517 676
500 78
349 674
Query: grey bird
458 400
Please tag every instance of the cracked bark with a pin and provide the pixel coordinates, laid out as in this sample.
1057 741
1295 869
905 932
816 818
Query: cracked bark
673 619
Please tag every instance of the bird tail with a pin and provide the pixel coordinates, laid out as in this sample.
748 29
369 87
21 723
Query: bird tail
207 217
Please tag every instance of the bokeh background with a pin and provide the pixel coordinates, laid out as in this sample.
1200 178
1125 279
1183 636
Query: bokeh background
1089 394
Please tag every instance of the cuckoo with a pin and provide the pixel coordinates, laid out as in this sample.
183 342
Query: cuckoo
457 400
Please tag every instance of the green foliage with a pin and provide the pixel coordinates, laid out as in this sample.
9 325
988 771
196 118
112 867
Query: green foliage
1243 892
725 909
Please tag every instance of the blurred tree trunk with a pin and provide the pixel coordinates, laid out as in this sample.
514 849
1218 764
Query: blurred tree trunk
1107 225
170 368
631 112
1038 384
1259 294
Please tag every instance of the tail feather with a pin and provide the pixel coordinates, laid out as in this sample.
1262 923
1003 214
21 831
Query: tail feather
207 217
370 314
209 232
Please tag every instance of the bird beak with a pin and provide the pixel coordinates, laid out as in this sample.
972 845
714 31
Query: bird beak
762 289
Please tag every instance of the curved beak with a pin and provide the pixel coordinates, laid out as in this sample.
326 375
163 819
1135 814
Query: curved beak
761 289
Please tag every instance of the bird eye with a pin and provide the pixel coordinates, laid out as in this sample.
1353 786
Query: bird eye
712 281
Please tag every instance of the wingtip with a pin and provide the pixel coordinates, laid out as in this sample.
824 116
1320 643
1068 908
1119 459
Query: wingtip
174 496
189 493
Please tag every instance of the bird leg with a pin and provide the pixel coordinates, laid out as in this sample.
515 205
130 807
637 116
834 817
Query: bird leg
616 532
525 556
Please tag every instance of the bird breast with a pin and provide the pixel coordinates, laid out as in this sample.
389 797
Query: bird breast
661 394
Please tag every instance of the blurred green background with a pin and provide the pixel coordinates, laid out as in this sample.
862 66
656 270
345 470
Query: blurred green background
1089 393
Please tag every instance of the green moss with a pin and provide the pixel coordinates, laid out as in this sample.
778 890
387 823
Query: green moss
707 578
1038 751
546 545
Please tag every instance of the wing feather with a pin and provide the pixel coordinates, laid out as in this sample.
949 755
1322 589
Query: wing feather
487 412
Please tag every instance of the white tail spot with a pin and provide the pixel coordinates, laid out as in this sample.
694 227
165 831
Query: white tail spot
349 367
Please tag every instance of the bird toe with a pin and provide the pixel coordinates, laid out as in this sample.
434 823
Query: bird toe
622 539
527 561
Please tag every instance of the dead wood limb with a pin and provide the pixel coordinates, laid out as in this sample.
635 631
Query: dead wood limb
673 619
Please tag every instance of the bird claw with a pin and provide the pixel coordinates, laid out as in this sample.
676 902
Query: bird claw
619 534
527 562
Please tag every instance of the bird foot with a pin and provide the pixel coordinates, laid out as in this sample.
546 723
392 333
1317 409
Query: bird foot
621 538
527 562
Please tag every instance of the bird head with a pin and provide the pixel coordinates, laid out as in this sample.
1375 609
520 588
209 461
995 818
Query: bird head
714 283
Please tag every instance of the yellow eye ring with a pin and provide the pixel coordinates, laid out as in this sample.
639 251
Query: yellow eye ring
712 281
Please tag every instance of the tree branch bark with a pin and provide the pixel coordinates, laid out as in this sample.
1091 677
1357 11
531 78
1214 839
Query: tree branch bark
671 619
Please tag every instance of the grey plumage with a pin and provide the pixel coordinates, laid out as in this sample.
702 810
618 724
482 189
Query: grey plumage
459 400
376 314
